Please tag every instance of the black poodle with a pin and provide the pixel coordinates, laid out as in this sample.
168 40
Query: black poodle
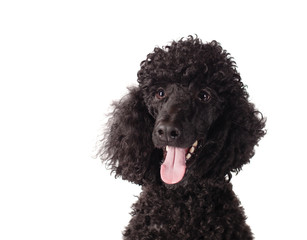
180 134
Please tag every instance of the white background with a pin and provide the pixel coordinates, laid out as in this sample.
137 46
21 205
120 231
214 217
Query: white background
63 62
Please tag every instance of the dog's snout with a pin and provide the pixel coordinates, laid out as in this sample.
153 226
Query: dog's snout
167 132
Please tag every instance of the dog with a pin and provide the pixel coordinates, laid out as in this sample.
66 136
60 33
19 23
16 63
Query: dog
180 134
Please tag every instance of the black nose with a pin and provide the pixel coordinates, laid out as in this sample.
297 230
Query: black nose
167 132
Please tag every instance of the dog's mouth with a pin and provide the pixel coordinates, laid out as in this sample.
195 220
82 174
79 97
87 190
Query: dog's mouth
174 166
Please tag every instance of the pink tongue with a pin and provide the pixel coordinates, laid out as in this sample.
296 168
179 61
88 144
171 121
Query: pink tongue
173 168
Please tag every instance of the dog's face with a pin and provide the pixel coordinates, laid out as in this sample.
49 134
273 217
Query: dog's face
183 115
188 120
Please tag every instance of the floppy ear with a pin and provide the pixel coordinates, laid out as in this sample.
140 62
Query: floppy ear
127 148
240 128
246 129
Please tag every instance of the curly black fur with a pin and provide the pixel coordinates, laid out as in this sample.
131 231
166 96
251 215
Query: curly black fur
187 91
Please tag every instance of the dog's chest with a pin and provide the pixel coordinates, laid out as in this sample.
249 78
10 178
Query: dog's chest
194 213
173 211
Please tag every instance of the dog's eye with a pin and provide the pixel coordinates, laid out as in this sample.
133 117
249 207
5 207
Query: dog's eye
160 93
204 95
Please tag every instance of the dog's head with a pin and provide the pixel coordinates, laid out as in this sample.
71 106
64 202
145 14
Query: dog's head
189 118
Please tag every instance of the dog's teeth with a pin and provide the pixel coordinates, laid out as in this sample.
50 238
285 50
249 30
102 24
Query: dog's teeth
166 148
195 143
192 149
188 156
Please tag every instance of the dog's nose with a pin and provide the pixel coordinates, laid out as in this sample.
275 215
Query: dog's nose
167 132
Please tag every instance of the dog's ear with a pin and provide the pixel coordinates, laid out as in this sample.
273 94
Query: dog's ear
127 146
242 126
245 131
